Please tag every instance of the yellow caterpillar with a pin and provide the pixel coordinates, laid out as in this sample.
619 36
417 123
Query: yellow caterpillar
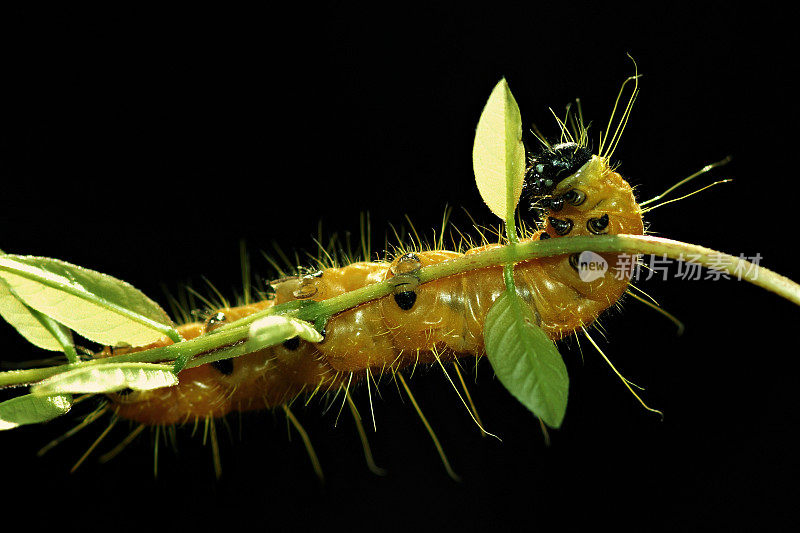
414 320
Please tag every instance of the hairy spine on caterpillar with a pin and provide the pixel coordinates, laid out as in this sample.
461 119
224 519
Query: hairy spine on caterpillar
579 194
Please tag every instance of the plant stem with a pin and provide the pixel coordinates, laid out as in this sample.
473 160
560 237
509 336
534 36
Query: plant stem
206 343
226 341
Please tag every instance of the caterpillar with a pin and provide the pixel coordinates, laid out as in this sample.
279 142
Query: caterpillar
420 321
441 319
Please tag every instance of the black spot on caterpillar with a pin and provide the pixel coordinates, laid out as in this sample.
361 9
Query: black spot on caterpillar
225 366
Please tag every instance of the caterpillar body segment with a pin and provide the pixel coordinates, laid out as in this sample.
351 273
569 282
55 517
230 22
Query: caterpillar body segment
420 322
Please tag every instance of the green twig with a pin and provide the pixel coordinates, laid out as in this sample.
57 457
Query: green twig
227 341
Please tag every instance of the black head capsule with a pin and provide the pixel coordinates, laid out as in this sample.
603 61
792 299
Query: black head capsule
562 227
547 168
556 204
598 225
544 236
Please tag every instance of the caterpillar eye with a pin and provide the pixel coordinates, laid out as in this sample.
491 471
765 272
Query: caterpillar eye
562 227
575 197
597 225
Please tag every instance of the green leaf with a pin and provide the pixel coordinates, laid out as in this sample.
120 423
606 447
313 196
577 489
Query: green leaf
99 307
107 378
39 329
263 333
272 330
498 155
525 360
31 409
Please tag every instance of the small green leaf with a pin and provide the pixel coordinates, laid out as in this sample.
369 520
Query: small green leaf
498 155
108 378
263 333
99 307
525 360
31 409
272 330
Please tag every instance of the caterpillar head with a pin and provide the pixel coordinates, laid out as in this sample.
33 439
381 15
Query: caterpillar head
577 193
546 169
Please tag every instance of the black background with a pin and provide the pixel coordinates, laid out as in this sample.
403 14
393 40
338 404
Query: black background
146 144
